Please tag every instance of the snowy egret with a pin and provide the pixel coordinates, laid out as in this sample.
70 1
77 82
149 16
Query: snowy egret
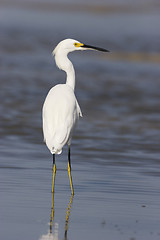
61 110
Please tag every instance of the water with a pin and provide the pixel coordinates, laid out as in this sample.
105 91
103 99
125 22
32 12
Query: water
115 150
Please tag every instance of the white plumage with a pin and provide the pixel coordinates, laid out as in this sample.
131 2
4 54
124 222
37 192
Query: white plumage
60 114
61 110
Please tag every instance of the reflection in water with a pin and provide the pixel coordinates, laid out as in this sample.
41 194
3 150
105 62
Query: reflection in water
52 213
67 217
53 235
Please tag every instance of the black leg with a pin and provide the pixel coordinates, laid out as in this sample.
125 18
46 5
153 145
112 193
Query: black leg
69 156
69 170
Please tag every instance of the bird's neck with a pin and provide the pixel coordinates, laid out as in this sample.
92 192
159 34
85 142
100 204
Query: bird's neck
66 65
70 76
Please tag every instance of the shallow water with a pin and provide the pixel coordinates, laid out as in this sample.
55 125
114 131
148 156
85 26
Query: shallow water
115 149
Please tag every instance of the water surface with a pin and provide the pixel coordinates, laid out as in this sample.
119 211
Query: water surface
115 150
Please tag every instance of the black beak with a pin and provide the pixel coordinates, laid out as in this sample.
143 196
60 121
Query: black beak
94 48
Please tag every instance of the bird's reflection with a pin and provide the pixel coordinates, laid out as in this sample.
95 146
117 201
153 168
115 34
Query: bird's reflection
53 228
52 213
67 217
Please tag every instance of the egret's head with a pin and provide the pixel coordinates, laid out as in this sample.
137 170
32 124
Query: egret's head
70 45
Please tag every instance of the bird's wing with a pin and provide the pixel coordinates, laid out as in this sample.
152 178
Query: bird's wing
78 109
60 114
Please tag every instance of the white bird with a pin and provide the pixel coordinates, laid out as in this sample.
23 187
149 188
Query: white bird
61 110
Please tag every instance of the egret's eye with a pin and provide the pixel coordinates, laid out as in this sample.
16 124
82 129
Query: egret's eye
76 44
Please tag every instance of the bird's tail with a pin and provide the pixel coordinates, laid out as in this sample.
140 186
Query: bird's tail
56 151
